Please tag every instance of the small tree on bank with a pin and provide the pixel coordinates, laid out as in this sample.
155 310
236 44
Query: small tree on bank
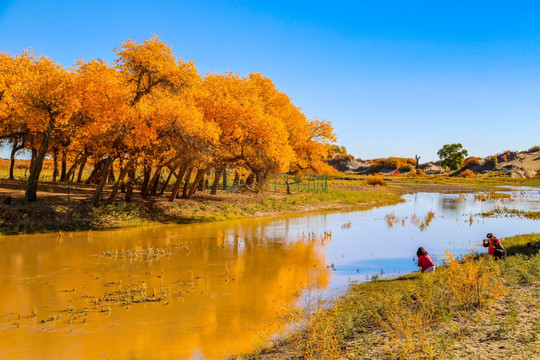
452 155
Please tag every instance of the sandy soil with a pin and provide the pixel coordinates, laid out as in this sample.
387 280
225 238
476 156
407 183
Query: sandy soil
522 165
509 330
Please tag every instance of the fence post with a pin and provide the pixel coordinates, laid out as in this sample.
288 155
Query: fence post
325 183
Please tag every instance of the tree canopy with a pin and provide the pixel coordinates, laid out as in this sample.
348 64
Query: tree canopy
151 110
452 155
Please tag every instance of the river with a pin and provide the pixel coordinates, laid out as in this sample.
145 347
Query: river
205 291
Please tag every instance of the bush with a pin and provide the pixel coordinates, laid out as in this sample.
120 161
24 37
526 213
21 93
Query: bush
467 174
406 168
392 163
417 172
375 180
505 156
470 162
376 167
534 149
491 160
396 173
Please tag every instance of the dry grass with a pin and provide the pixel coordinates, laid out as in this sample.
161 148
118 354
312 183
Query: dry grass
397 319
412 317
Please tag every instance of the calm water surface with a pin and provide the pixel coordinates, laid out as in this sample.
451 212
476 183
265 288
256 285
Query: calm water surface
218 285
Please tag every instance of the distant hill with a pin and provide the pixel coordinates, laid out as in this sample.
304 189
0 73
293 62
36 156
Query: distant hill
511 163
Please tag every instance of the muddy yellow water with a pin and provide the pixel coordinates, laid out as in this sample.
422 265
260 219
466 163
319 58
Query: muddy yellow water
201 291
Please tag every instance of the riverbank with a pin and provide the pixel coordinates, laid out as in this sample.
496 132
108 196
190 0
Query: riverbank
63 207
53 212
474 308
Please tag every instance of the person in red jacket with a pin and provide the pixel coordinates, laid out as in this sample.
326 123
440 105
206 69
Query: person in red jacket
494 246
424 261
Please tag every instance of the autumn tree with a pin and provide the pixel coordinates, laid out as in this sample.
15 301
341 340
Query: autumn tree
152 111
13 129
158 86
309 139
43 96
250 136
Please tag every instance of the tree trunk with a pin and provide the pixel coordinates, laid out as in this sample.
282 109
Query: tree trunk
33 158
236 178
111 179
171 173
71 170
200 184
147 171
103 180
55 164
35 169
250 179
186 183
153 182
122 184
16 147
198 179
225 179
217 177
94 173
178 183
155 185
64 165
132 172
120 180
81 168
12 164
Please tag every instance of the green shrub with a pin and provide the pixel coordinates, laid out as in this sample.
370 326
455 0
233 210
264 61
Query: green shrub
491 160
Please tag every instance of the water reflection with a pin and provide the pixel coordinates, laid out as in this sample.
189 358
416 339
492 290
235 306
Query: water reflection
451 204
217 286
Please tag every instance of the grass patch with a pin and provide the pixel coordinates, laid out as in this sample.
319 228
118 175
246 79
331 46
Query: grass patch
499 212
44 217
479 182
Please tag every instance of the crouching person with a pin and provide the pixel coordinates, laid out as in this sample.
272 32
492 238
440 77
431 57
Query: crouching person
424 261
494 246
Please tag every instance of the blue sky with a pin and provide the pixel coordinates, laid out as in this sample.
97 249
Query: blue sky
394 77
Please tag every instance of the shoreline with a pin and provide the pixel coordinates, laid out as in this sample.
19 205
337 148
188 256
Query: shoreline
53 213
404 317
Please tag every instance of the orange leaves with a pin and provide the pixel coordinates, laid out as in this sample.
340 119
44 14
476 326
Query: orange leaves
152 65
39 91
152 105
260 125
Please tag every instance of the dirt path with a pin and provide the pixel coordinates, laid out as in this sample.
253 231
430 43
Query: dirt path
510 329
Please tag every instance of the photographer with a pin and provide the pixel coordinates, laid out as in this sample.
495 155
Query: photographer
494 246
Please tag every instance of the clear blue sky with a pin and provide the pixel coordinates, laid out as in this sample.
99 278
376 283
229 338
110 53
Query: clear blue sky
395 77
